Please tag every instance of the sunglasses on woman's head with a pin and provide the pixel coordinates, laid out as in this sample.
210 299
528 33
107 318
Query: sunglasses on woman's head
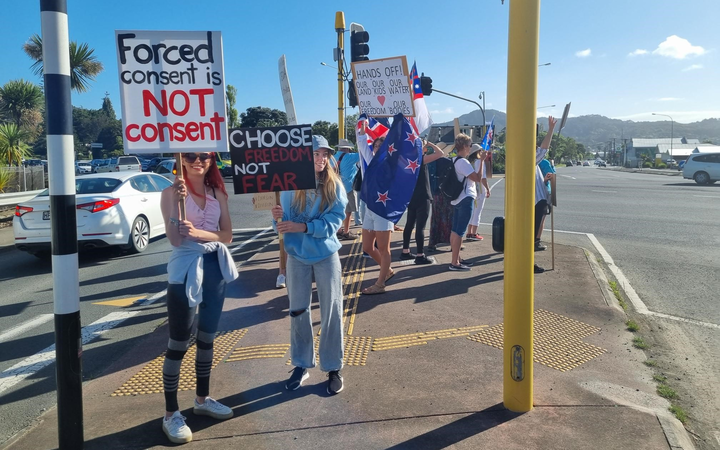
192 157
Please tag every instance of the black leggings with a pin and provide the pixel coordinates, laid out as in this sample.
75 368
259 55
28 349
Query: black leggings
417 218
541 209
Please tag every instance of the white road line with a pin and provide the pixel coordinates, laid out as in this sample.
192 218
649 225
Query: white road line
44 358
240 230
495 183
707 196
604 192
252 239
25 326
568 176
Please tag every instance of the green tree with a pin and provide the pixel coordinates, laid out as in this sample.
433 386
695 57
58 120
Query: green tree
329 130
350 124
232 112
13 146
84 66
107 107
21 102
258 116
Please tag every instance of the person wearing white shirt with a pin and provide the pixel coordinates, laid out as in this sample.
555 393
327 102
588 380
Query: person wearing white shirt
542 196
477 158
464 202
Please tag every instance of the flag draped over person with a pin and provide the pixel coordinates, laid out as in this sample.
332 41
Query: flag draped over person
487 140
422 119
391 176
375 129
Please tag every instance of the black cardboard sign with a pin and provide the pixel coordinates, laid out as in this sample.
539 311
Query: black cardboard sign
272 159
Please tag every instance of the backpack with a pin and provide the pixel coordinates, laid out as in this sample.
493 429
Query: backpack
450 186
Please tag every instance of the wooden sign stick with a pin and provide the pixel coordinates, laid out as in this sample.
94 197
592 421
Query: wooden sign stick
178 164
280 235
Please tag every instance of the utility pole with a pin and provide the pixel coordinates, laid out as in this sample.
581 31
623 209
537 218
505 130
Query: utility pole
340 28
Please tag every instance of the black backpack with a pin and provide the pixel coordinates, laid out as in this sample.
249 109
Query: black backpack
449 184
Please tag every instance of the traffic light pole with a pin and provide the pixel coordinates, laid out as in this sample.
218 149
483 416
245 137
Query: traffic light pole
63 223
523 40
340 28
467 100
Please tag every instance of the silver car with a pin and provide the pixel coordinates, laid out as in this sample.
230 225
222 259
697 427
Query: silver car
704 168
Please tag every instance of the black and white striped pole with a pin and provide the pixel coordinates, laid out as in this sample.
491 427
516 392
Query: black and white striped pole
61 154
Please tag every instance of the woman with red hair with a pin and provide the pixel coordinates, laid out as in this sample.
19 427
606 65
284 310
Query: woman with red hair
200 266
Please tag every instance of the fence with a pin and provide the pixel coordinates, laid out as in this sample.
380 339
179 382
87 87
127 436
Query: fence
23 179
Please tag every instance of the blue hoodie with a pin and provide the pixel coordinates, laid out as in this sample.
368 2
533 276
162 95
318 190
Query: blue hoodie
320 240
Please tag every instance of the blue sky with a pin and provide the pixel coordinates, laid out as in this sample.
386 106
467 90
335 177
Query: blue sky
462 45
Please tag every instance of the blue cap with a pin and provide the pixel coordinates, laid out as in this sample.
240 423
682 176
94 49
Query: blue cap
320 142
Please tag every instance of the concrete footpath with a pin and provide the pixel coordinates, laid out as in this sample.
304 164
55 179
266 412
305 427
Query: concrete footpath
423 368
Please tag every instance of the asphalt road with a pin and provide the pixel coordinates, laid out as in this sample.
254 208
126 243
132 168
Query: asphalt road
107 274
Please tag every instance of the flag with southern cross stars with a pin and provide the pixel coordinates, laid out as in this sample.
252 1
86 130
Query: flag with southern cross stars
391 176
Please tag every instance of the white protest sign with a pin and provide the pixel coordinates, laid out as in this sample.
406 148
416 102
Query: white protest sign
172 89
286 92
383 87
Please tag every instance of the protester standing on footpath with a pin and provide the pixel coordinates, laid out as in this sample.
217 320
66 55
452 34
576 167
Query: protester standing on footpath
442 210
310 221
548 172
419 208
200 266
347 168
464 202
477 159
542 196
375 227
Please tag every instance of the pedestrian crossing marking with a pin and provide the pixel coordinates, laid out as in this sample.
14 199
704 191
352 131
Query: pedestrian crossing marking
121 302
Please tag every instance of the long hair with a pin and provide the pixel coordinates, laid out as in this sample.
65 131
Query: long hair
213 178
327 181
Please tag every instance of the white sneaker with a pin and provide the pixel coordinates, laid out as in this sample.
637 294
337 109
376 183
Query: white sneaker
176 430
280 281
212 408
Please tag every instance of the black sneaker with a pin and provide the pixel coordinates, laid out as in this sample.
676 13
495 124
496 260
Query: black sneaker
538 269
460 267
299 375
539 246
365 255
406 256
422 259
335 382
466 263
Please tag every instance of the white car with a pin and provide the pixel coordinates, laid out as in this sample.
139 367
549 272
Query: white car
120 164
120 208
704 168
82 168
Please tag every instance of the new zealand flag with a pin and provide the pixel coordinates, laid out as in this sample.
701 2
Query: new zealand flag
391 176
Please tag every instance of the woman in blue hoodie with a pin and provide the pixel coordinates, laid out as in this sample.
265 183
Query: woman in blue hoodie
310 220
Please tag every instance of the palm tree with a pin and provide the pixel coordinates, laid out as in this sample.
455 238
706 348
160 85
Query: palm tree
12 143
21 103
84 66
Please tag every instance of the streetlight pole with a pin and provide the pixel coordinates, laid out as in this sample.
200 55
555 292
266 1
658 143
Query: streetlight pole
672 126
463 98
340 28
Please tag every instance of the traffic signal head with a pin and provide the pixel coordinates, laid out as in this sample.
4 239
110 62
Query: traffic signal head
359 48
426 85
352 96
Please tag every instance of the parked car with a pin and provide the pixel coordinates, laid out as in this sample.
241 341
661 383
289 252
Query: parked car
113 209
586 164
602 164
121 164
681 164
152 165
569 164
32 162
96 162
166 169
104 166
224 163
704 168
81 168
144 164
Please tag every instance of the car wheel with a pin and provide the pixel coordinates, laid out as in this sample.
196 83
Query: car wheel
701 178
139 236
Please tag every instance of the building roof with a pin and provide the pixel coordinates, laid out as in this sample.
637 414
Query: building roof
687 149
648 143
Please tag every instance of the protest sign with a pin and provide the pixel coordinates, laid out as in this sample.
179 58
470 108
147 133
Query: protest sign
264 201
383 87
172 90
272 159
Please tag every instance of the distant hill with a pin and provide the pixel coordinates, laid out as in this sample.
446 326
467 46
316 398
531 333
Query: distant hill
594 131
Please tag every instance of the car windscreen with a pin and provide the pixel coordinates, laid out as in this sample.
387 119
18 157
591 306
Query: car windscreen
96 185
127 160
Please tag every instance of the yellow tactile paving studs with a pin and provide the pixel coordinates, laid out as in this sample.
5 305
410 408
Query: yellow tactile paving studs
407 340
356 350
258 352
557 341
149 379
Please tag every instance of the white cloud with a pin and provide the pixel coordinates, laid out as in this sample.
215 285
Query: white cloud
678 48
693 67
583 53
638 52
442 111
669 99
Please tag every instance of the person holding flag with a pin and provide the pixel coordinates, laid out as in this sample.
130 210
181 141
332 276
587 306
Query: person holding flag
477 158
389 179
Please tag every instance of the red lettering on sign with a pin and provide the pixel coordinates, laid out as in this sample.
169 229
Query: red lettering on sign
148 97
192 131
290 182
201 93
130 137
186 108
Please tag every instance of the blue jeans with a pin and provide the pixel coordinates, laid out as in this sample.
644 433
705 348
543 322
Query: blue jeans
461 216
328 279
360 213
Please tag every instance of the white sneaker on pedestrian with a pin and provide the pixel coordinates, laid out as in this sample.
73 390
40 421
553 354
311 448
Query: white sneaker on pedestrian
280 281
212 408
176 430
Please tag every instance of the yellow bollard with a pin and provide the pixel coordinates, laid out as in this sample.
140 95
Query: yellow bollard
520 204
340 28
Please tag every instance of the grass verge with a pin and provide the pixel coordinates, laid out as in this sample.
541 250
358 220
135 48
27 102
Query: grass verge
616 292
650 363
679 413
666 391
638 342
632 325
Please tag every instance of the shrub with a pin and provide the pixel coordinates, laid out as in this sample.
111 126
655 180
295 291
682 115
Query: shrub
662 166
647 165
